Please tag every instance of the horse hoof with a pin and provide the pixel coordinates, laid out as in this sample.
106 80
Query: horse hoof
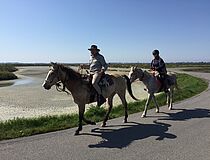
157 111
103 125
125 121
170 108
93 123
76 133
143 116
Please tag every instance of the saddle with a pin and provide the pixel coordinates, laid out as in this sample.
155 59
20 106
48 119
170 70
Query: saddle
162 82
104 82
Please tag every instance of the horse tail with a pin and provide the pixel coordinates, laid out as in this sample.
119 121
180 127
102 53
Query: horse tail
175 84
129 87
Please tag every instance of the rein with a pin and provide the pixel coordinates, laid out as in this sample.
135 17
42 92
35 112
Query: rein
58 85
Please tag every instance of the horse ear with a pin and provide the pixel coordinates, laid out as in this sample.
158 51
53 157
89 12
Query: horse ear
53 64
132 68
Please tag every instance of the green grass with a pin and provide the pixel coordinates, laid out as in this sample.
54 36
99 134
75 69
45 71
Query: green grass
20 127
6 72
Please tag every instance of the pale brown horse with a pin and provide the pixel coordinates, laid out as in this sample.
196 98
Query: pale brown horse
81 90
153 85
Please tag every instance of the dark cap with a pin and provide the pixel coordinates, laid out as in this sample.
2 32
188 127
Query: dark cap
155 52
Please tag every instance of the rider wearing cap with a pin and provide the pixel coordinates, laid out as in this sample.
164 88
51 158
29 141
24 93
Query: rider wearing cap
98 66
158 65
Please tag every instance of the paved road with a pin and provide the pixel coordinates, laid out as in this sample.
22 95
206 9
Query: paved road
181 134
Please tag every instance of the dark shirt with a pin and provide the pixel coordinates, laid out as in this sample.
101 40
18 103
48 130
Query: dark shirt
159 65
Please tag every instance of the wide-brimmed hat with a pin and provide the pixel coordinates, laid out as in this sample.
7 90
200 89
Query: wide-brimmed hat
94 47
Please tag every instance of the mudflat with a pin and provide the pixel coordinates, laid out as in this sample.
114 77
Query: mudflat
26 97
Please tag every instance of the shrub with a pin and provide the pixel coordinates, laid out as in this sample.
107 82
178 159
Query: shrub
5 75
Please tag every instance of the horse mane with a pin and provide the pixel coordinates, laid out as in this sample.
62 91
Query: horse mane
71 73
146 72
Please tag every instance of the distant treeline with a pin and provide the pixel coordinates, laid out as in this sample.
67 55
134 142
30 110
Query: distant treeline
119 65
188 64
169 65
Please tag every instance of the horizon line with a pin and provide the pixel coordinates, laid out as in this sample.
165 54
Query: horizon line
195 62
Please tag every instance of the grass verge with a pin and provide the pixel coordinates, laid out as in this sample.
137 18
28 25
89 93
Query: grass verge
20 127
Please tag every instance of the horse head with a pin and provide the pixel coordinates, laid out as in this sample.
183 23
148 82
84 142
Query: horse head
135 73
52 77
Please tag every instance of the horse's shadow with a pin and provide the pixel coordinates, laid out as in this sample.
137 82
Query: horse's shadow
187 114
120 138
123 137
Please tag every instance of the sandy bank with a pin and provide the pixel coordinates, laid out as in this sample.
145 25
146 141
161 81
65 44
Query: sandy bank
27 98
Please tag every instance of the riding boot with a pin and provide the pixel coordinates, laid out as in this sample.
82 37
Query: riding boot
100 100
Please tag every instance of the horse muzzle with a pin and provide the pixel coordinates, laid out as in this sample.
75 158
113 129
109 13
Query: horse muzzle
46 86
131 80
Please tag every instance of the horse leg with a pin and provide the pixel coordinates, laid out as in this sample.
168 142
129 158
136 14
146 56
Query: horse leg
122 97
168 98
156 104
108 112
146 105
171 99
81 115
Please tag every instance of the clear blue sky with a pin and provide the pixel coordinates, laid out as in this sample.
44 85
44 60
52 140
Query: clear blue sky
124 30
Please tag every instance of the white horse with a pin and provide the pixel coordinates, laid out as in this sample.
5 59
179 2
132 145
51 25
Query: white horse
153 85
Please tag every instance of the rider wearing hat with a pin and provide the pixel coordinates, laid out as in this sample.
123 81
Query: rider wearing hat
158 65
98 66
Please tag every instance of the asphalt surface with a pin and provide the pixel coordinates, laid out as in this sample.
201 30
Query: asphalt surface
180 134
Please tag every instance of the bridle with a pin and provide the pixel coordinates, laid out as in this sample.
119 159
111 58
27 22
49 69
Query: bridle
142 77
58 85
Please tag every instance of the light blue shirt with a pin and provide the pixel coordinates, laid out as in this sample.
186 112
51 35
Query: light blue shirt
98 63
